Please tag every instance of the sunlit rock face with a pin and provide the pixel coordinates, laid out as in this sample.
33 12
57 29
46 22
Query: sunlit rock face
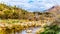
55 12
54 9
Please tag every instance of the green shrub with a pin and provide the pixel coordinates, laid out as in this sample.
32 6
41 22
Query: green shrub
53 29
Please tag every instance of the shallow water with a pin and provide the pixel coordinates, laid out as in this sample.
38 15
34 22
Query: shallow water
33 30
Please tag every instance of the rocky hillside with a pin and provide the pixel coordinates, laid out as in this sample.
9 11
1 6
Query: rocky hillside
55 10
13 12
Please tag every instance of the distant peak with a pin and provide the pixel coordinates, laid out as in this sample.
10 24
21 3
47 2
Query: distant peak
54 8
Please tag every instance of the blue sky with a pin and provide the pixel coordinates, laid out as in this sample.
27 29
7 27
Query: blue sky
32 5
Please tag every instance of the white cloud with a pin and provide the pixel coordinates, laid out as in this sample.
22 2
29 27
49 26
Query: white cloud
32 5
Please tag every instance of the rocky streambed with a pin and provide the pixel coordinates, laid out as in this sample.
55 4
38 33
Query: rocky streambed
19 28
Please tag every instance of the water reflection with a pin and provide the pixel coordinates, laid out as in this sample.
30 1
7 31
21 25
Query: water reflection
33 30
30 31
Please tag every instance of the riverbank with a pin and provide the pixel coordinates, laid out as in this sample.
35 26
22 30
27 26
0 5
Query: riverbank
17 25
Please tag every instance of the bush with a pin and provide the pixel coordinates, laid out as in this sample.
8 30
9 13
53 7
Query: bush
53 29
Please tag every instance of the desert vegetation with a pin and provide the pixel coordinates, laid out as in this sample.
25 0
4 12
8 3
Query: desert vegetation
14 19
